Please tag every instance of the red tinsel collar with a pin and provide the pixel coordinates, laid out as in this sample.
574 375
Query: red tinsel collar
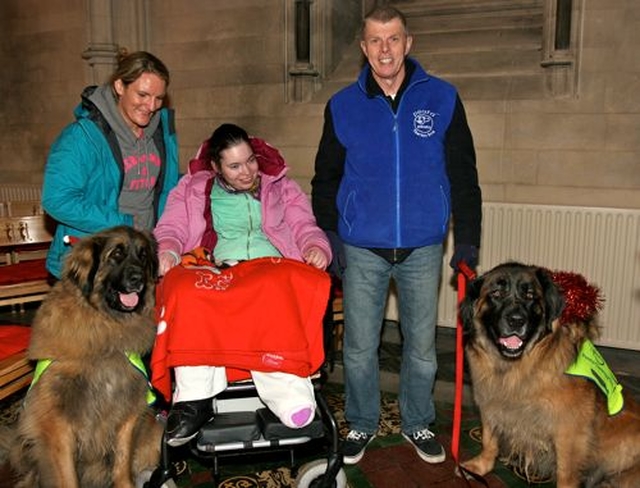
583 300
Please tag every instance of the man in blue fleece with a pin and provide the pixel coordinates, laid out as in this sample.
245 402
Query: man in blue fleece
395 161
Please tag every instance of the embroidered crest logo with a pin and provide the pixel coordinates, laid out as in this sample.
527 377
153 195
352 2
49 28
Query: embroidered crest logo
213 281
423 123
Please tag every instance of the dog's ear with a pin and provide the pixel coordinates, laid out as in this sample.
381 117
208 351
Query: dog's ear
151 249
83 262
153 260
467 306
554 300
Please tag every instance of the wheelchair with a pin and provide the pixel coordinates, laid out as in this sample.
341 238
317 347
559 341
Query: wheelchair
243 426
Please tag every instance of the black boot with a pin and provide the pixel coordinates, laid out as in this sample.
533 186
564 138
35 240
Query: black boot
185 420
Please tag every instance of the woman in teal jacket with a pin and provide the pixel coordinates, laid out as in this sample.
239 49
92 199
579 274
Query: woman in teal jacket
118 161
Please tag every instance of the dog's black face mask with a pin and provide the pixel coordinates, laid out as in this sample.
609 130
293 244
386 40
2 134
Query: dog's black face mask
515 313
125 283
515 305
116 269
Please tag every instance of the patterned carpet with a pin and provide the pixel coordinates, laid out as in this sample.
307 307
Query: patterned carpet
275 471
388 458
278 472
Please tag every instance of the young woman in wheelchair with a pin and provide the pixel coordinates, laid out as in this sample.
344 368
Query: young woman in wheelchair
252 295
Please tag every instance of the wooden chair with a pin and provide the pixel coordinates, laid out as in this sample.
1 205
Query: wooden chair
23 242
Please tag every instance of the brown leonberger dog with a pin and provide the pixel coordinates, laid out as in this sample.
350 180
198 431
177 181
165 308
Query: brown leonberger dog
549 423
86 421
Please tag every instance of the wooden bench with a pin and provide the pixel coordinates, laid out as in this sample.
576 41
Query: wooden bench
20 208
23 279
23 244
16 371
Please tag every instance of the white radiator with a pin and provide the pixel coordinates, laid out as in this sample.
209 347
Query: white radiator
602 244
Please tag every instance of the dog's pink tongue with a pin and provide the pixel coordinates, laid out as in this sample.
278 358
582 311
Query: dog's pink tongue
129 299
511 342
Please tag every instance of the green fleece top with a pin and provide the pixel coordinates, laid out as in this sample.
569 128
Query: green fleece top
237 220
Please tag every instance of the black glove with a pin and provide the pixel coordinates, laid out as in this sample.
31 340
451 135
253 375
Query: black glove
466 253
339 261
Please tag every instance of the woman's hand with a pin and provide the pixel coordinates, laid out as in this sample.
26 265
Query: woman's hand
316 258
166 261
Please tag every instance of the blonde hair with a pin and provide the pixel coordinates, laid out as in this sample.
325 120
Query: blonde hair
131 66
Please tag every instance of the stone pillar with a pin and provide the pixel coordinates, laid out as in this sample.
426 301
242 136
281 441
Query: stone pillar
130 24
102 50
113 24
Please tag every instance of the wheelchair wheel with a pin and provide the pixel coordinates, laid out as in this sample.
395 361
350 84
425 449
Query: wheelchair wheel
311 474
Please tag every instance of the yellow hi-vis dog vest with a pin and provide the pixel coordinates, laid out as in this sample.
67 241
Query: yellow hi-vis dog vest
133 357
591 365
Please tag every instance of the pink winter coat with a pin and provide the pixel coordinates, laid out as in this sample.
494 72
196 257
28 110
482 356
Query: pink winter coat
287 218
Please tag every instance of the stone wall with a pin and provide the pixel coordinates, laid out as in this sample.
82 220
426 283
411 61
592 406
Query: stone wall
577 151
229 62
40 81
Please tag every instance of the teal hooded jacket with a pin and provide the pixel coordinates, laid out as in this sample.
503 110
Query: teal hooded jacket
84 174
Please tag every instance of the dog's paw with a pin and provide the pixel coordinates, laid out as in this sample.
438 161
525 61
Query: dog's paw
144 478
477 466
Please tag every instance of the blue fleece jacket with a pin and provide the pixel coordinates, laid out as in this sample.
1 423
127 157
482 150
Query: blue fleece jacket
390 174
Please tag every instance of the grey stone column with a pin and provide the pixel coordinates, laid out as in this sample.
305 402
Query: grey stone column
113 25
102 49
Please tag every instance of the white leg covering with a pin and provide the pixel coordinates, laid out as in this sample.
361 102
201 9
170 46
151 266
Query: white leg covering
198 382
289 397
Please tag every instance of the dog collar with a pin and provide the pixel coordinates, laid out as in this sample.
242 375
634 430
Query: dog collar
134 359
591 365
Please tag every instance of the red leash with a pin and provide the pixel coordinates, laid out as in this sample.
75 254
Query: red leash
465 274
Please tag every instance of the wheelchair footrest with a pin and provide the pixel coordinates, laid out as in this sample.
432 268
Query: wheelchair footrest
230 427
273 429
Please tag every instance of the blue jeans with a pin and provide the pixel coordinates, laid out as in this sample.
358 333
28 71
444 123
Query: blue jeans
365 286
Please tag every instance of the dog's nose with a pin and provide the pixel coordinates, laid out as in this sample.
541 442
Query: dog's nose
516 321
134 278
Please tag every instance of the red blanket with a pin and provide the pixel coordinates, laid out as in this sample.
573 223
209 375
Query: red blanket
263 315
